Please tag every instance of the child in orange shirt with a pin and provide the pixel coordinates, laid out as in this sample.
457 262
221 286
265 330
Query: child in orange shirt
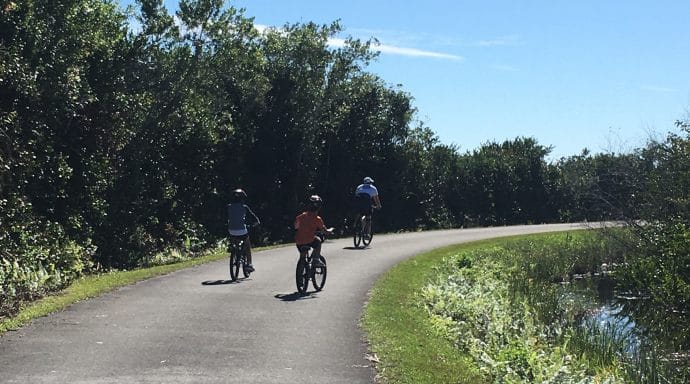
306 225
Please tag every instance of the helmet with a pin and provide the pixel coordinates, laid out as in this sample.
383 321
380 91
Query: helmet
368 180
239 194
315 202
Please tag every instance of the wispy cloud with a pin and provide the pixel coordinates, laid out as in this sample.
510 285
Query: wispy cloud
397 43
652 88
387 48
405 38
393 50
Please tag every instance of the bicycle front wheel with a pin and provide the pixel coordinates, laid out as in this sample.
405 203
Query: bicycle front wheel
302 276
319 276
234 265
366 239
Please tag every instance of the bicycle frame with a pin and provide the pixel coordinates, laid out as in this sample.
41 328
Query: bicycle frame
238 258
363 233
306 271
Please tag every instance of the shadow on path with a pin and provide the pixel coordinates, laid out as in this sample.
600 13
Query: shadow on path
295 296
219 282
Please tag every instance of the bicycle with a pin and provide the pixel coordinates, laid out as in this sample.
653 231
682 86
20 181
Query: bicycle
306 271
361 234
238 259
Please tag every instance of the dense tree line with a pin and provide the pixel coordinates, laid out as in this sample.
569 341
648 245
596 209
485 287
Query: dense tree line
124 131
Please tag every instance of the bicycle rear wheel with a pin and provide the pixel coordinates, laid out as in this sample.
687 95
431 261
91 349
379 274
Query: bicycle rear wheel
302 276
245 270
234 265
367 236
318 278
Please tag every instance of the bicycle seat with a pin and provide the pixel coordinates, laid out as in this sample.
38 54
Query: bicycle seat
304 248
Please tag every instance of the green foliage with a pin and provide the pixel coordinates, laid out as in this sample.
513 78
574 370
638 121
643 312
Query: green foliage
36 256
508 183
475 301
599 187
410 348
522 324
475 307
130 138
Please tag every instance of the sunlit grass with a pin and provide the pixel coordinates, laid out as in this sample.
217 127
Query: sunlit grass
400 334
502 337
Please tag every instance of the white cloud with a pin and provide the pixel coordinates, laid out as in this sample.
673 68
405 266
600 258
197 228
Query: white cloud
401 51
387 49
337 43
393 50
657 89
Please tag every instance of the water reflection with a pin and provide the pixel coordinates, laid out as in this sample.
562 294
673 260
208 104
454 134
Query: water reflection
646 333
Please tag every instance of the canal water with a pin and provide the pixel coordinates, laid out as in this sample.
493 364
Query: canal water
656 342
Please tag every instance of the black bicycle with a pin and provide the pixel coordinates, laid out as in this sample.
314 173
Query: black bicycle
238 259
363 233
308 270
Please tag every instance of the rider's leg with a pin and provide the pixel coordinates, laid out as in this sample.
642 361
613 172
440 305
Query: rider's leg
248 250
303 254
316 253
360 222
317 248
367 220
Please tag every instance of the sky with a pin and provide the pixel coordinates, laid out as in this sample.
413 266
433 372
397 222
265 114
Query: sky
606 75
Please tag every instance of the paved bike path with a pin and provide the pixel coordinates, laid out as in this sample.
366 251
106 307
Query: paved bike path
192 326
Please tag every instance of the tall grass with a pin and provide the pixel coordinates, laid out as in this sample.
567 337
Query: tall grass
514 310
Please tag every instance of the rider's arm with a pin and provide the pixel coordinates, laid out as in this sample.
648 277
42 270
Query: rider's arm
322 226
377 201
255 218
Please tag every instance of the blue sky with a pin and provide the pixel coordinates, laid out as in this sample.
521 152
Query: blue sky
603 75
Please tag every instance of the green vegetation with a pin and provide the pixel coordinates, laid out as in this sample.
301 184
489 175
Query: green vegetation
400 334
124 131
500 312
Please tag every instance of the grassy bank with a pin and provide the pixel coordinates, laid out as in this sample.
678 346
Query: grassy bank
475 332
511 310
400 334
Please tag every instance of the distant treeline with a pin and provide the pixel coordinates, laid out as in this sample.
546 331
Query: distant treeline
124 131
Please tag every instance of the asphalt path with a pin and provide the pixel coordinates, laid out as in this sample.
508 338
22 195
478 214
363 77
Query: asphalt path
194 326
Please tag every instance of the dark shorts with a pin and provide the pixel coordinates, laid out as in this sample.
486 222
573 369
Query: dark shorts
313 244
363 204
243 239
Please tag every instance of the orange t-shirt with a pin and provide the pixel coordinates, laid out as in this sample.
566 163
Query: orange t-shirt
306 224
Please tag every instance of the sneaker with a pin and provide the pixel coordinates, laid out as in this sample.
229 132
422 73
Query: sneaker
249 268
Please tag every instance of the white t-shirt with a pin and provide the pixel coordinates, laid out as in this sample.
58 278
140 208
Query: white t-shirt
368 189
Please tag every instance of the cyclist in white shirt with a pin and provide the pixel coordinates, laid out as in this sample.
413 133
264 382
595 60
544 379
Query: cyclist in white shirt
366 194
